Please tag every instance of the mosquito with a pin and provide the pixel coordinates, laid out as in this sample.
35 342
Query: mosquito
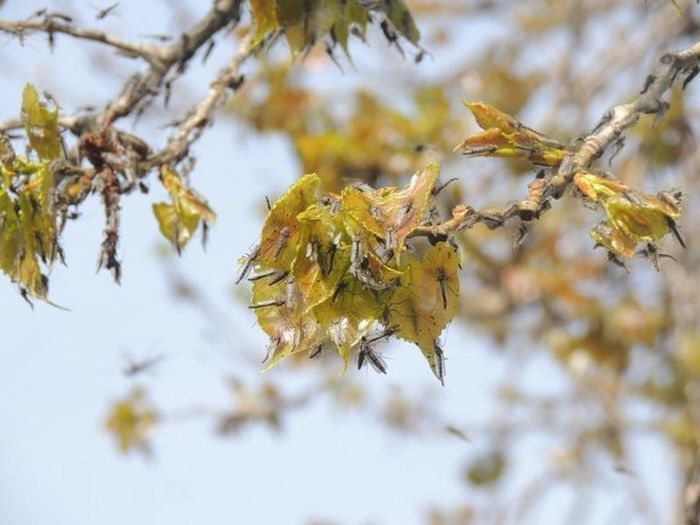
316 351
367 353
248 264
360 267
331 258
134 367
281 242
442 281
384 334
106 11
439 363
276 277
267 304
478 150
375 360
338 290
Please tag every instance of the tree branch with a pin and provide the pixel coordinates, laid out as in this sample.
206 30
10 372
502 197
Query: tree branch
583 152
50 25
201 115
623 116
142 85
139 87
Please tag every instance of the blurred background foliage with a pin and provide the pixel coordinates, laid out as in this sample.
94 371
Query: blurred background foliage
626 346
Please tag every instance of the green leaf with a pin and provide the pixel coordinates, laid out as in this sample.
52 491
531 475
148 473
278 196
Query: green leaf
350 314
401 18
41 125
179 220
426 301
282 230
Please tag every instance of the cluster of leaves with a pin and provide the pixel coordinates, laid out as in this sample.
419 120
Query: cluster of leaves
335 271
29 213
632 217
306 22
40 191
330 269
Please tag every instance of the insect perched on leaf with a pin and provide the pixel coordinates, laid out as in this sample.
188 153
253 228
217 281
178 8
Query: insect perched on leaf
368 355
632 217
329 270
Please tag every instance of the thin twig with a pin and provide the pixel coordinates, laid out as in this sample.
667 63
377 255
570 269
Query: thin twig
51 25
140 86
201 115
12 124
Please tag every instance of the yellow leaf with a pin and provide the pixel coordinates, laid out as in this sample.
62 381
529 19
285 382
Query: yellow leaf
614 240
641 220
281 231
179 220
131 421
488 117
504 136
41 125
426 301
323 256
389 214
177 228
350 314
282 313
264 17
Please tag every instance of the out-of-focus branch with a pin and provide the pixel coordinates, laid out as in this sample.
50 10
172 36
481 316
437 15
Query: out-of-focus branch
53 23
67 122
583 152
150 82
201 115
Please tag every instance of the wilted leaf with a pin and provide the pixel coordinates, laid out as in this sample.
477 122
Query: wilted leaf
504 136
179 220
